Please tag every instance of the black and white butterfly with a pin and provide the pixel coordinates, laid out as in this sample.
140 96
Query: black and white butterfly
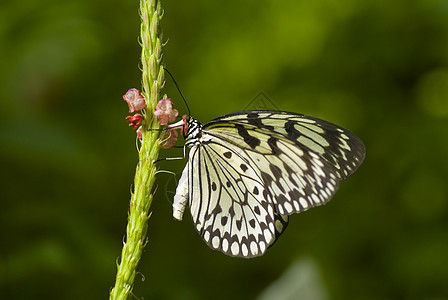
248 171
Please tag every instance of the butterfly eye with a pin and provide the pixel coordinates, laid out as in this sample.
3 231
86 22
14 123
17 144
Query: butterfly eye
186 120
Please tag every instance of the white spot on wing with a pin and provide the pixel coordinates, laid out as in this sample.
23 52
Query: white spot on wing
303 202
288 207
344 145
296 205
206 236
235 248
225 245
253 248
244 250
215 242
315 198
262 246
267 235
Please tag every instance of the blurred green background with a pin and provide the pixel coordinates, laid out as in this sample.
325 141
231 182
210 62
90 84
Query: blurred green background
377 68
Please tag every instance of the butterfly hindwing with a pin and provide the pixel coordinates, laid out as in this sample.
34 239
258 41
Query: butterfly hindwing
228 203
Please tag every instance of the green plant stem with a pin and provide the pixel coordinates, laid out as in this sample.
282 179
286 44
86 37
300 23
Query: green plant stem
141 197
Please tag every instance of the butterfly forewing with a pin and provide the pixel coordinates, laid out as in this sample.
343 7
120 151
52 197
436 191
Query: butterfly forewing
338 146
249 170
295 178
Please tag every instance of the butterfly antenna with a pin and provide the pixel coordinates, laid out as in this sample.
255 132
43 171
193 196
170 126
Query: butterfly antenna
180 92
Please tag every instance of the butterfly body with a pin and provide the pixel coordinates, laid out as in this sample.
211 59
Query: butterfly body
193 129
248 171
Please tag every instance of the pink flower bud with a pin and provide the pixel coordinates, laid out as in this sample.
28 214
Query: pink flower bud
135 120
135 100
139 132
164 112
170 138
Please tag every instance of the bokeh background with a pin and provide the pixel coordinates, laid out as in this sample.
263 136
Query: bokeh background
377 68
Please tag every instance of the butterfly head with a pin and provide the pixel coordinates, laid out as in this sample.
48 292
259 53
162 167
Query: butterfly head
189 127
192 128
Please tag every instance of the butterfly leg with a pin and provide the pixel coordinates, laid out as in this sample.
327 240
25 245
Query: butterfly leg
173 158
